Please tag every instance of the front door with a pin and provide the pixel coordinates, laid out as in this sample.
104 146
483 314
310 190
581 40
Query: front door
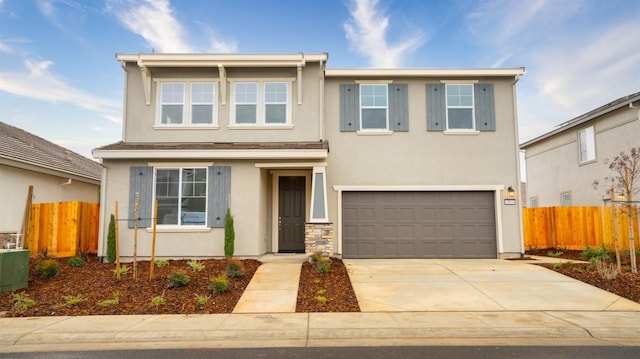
291 214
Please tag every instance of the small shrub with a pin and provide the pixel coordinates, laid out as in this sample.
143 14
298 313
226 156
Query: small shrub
195 265
578 270
229 235
110 302
161 263
48 268
316 281
598 252
73 299
124 270
558 265
76 262
158 301
218 284
178 279
322 263
111 240
21 301
555 254
606 269
321 299
234 268
201 300
533 250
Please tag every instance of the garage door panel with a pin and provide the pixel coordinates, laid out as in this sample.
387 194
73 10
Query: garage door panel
419 225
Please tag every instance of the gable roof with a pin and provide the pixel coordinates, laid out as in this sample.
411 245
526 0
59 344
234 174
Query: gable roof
28 149
577 121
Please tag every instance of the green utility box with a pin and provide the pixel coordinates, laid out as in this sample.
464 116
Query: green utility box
14 269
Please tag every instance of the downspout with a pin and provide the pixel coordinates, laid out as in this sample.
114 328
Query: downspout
124 97
103 211
60 188
517 154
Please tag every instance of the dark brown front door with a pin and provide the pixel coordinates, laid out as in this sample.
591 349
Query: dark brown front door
291 214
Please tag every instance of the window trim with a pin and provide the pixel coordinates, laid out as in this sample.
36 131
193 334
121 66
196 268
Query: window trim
187 104
472 108
261 104
179 168
591 140
386 108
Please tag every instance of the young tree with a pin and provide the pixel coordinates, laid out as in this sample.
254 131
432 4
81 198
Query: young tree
111 241
624 182
229 235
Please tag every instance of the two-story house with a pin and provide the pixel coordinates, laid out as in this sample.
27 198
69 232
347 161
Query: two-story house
563 163
361 163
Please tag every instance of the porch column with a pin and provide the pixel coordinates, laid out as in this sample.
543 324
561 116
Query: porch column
319 213
318 234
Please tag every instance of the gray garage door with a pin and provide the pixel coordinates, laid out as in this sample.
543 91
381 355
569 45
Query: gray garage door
418 225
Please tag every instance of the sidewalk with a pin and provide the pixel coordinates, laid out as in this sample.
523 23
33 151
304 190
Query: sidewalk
319 329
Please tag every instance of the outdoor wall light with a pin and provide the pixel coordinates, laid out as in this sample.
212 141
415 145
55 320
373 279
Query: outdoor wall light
511 193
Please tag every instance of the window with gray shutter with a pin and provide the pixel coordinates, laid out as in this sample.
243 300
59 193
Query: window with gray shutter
219 183
141 184
399 107
485 107
436 107
349 107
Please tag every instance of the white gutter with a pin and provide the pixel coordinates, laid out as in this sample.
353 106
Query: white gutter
518 178
417 72
209 154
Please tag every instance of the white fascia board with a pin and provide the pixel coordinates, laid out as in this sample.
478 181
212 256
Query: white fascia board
217 154
227 60
417 188
416 72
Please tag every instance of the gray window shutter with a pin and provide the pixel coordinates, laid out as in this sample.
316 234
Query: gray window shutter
399 107
141 182
484 107
436 107
219 188
349 107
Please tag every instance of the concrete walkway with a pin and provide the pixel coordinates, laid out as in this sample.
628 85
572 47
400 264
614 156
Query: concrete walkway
404 302
274 286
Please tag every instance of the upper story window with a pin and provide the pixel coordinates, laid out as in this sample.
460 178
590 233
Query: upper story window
374 107
182 196
187 103
460 112
586 145
261 103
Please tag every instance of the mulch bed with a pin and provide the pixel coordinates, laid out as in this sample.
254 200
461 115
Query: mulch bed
96 282
334 286
626 284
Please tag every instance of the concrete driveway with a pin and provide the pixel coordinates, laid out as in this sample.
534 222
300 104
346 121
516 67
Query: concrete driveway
395 285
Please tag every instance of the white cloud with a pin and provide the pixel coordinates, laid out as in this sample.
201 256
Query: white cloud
154 21
39 83
367 29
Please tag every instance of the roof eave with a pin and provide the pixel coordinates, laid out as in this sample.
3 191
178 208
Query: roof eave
213 154
426 72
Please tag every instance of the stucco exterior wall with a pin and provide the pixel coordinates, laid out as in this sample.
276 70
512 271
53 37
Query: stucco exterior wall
140 119
14 187
246 203
553 165
427 158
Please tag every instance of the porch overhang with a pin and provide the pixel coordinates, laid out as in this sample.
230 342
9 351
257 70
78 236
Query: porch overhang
240 151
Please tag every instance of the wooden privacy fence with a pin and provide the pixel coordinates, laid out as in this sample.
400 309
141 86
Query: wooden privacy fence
576 227
63 228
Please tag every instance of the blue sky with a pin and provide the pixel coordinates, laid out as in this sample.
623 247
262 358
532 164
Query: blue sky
59 78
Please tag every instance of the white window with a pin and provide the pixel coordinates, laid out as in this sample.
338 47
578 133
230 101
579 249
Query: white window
187 103
261 103
181 195
586 145
534 202
565 199
374 108
460 112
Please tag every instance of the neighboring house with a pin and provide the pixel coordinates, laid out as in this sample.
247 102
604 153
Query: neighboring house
360 163
563 163
56 174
